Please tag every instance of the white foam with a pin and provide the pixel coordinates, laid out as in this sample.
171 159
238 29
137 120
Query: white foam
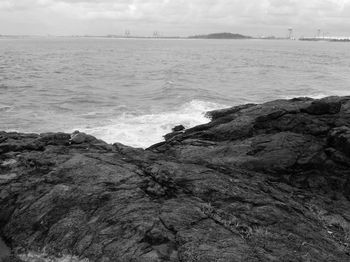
314 96
321 95
318 95
146 130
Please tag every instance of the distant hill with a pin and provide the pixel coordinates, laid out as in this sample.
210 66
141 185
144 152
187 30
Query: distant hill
221 36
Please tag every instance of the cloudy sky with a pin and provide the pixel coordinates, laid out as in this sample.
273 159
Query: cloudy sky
174 17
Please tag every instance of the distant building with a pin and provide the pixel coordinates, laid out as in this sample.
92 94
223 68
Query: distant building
290 34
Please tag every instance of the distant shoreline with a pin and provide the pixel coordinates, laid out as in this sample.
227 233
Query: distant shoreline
215 36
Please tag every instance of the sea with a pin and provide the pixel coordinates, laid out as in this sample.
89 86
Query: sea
133 91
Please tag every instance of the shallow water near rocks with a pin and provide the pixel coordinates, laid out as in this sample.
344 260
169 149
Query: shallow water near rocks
135 91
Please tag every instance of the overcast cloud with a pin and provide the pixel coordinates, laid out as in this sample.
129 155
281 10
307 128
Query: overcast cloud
174 17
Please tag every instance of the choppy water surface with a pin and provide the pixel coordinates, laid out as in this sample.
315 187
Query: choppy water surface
134 91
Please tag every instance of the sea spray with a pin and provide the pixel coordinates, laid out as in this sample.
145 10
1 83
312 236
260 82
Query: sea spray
146 130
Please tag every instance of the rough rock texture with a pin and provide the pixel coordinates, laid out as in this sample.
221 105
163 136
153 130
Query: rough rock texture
4 250
266 182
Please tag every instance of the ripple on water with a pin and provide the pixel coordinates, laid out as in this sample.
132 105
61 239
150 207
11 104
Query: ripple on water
51 84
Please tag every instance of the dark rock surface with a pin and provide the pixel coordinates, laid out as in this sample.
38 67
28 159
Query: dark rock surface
4 250
267 182
175 131
178 128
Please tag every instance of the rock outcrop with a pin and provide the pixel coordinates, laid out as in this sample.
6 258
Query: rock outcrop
267 182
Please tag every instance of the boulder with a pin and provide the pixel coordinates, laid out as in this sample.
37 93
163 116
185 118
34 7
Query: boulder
178 128
79 137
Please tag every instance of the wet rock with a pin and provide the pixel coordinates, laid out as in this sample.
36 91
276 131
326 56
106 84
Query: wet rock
4 178
265 182
80 137
339 138
324 106
55 138
216 114
172 135
9 162
4 251
178 128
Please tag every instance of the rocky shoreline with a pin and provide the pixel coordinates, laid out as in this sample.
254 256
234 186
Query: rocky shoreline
267 182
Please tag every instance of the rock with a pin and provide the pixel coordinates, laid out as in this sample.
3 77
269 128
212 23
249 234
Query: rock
79 138
265 182
5 177
4 251
178 128
55 138
324 106
172 135
213 115
339 138
9 162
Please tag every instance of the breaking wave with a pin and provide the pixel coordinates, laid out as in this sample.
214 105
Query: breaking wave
146 130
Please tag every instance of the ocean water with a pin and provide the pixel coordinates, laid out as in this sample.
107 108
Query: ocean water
134 91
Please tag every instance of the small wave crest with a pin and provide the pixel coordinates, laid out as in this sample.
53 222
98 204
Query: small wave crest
146 130
319 95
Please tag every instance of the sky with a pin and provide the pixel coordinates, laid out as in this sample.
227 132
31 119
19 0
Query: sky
174 17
